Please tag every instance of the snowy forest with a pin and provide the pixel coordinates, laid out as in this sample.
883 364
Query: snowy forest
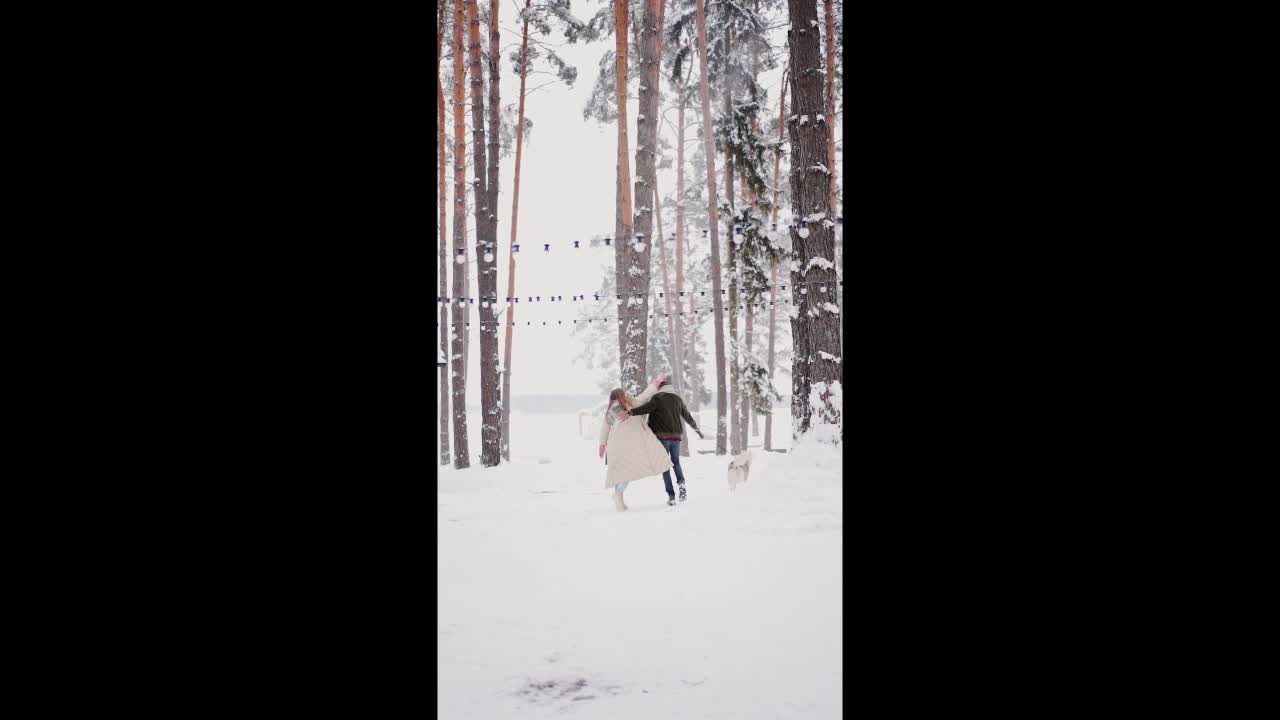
630 190
723 264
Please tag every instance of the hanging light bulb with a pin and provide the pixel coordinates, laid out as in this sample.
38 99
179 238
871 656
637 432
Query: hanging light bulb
546 247
515 248
575 244
608 241
823 288
803 230
461 256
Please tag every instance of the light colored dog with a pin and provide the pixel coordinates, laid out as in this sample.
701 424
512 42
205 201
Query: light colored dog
739 469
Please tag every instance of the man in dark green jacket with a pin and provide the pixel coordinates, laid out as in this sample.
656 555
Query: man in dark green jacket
665 410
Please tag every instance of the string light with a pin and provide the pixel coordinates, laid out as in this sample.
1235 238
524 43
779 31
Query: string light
765 289
546 247
515 248
575 243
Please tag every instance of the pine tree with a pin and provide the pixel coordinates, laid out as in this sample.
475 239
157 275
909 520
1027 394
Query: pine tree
457 327
486 243
815 322
704 91
773 266
443 189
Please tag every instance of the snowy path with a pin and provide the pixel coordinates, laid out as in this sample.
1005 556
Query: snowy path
552 604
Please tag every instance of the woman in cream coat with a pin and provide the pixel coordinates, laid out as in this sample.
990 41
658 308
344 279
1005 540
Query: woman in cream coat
629 447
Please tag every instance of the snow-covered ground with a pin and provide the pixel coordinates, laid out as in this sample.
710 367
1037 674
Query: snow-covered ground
553 604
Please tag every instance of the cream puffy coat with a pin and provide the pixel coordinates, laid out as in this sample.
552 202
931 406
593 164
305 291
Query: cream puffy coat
631 450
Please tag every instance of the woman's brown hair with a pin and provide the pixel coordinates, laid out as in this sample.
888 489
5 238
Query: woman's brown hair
617 395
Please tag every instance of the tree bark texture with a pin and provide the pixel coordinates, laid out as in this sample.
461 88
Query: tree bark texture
815 329
461 312
486 256
773 266
646 181
833 202
713 223
511 253
443 189
629 264
735 375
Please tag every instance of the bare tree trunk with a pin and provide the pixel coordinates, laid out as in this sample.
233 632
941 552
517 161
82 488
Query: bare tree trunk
830 77
444 247
511 253
679 308
713 225
646 181
632 331
735 376
815 329
680 216
774 297
461 312
773 316
486 247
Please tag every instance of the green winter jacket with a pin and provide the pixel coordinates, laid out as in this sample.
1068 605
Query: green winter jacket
665 409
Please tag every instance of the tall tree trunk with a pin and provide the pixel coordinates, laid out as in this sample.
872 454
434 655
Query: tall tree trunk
815 329
830 77
444 246
632 331
461 312
735 377
491 396
773 265
674 326
713 225
751 196
646 181
486 267
511 253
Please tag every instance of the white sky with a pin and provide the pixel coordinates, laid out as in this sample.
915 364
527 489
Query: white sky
566 194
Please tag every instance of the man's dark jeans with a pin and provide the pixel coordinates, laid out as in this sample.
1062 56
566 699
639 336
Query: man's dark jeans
673 449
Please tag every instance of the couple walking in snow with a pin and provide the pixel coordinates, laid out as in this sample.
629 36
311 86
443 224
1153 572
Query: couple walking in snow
635 447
